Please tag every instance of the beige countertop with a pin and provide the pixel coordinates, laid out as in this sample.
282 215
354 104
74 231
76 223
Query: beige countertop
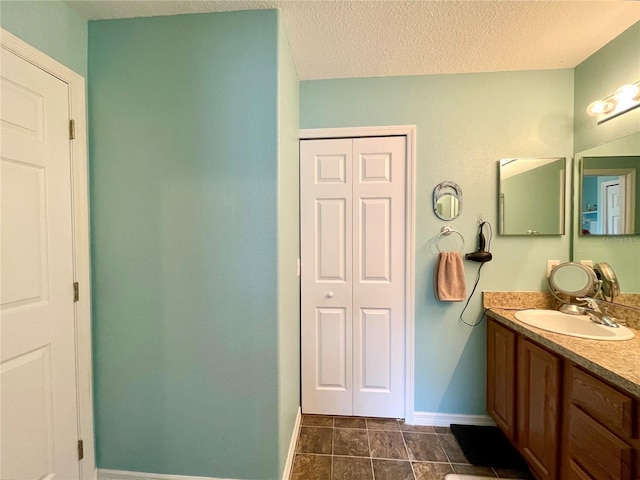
616 361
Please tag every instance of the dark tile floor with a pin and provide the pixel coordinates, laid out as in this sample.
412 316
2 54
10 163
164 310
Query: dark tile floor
354 448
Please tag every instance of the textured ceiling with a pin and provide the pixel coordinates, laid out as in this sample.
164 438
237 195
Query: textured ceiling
370 38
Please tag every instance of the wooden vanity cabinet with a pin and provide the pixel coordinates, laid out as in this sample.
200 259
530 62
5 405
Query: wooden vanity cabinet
566 422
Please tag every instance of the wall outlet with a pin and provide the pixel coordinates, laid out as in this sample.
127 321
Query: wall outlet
550 265
587 263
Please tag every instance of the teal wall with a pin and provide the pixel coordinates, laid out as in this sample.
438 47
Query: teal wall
615 64
186 150
589 193
288 246
53 27
465 124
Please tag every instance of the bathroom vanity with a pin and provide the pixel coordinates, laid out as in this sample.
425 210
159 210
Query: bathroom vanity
569 405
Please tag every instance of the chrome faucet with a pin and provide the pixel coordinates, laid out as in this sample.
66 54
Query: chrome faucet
595 314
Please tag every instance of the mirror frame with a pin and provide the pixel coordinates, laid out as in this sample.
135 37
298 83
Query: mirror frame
442 189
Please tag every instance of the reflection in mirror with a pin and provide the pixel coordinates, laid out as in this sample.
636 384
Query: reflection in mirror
609 202
447 200
621 252
448 207
610 286
532 196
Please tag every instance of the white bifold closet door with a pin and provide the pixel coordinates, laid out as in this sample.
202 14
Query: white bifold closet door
352 208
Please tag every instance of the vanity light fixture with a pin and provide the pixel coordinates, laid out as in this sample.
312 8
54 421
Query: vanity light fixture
627 97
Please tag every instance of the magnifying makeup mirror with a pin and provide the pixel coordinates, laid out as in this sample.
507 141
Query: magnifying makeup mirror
573 279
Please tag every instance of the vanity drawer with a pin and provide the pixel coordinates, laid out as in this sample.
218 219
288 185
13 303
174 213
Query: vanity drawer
574 472
604 403
599 453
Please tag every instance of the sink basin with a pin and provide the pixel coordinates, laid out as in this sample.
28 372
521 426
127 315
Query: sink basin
573 325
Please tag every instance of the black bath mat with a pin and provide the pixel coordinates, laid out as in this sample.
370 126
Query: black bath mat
487 446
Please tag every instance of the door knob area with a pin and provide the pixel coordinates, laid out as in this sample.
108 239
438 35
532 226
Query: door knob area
330 295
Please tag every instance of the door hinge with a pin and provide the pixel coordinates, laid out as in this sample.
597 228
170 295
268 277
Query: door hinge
80 449
72 129
76 291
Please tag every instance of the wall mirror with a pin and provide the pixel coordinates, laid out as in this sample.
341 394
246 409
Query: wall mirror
608 200
621 251
532 196
447 200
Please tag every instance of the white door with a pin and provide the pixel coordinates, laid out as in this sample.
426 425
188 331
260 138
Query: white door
39 419
352 194
613 208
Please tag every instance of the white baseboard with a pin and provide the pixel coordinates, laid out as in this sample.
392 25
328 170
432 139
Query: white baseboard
123 475
292 446
446 419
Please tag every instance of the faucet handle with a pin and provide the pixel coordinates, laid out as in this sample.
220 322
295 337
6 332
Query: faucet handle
591 302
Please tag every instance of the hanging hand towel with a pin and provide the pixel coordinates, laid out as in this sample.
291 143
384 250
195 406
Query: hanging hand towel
449 282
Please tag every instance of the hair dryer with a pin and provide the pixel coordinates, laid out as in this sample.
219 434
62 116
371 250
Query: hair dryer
480 255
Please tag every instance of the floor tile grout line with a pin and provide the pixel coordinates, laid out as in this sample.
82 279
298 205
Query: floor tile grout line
373 473
445 453
406 449
383 458
333 436
374 458
318 454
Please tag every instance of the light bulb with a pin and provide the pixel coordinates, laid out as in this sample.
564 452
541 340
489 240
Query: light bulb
601 106
627 92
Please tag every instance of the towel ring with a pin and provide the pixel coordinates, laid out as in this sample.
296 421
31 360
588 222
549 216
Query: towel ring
447 230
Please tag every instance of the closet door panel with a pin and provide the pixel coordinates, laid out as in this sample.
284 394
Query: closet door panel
379 275
326 303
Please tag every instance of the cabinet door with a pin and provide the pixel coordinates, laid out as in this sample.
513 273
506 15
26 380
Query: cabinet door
501 361
599 453
538 403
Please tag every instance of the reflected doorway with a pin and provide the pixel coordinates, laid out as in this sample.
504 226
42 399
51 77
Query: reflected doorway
607 202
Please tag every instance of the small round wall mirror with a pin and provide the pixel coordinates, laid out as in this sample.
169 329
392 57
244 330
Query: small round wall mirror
573 279
447 200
